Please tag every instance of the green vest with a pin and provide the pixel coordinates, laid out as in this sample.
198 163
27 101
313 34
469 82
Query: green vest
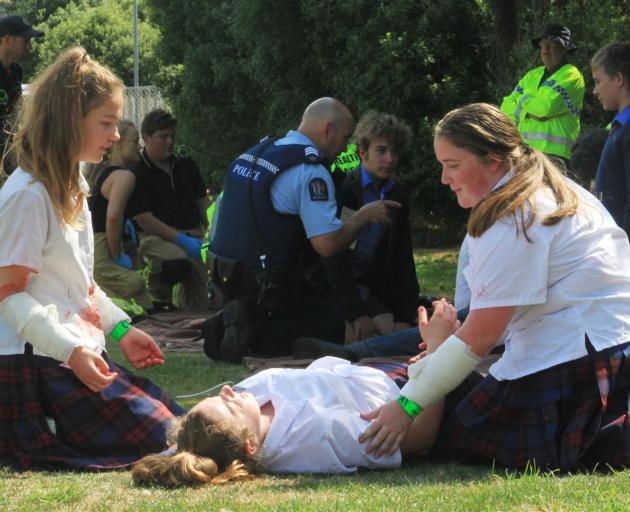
211 213
347 161
548 117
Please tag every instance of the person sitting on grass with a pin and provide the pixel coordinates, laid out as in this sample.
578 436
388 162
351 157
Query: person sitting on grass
63 402
286 421
548 265
112 186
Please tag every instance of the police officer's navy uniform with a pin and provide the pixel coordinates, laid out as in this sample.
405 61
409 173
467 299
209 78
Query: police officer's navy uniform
278 195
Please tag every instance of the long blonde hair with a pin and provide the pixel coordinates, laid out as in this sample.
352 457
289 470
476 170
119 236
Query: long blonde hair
50 135
487 132
208 452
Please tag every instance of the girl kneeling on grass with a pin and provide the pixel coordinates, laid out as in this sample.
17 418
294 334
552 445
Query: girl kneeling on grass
549 265
63 403
281 421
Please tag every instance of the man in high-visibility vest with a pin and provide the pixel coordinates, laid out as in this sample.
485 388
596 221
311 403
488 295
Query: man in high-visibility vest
547 101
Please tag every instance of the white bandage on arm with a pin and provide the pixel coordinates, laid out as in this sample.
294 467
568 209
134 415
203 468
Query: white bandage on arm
431 378
39 325
110 313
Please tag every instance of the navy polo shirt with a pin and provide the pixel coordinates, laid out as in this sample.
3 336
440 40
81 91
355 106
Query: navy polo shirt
170 198
612 181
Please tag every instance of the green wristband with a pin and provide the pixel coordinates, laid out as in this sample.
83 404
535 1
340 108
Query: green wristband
120 330
411 408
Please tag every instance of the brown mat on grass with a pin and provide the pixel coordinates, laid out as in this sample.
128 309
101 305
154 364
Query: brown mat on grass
175 332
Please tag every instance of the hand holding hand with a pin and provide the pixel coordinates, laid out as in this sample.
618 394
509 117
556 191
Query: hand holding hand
140 349
91 369
387 430
191 245
124 261
443 323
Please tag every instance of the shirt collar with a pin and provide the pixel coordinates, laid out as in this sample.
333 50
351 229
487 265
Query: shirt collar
504 179
366 181
623 116
299 138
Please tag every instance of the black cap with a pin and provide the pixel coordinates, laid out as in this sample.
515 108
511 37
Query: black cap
556 32
17 26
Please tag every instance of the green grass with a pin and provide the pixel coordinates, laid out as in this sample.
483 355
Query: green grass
436 271
417 486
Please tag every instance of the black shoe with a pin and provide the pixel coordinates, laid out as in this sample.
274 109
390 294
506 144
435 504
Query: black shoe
312 348
212 330
239 331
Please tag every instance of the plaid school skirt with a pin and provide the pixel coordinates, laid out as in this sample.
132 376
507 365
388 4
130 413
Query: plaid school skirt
572 416
50 420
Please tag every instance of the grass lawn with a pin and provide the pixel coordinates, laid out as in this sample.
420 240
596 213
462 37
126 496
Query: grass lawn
417 486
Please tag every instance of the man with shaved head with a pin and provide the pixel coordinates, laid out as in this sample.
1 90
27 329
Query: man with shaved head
278 213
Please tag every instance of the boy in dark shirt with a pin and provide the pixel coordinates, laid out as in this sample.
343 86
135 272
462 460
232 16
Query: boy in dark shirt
611 73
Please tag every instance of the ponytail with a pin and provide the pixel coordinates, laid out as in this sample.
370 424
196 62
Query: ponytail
208 452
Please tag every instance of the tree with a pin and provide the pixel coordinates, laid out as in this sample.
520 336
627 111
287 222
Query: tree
250 68
105 29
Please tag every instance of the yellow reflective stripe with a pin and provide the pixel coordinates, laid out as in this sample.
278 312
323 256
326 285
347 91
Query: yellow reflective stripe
130 306
556 139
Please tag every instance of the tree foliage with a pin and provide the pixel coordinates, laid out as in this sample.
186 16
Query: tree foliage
250 68
105 29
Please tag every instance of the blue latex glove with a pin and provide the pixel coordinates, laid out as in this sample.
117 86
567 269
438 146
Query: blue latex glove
129 229
124 261
191 245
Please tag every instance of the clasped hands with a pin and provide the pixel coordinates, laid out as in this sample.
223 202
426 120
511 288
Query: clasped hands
390 422
92 370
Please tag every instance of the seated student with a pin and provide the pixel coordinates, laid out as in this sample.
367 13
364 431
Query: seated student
282 421
63 402
611 73
401 343
549 265
383 271
170 205
112 187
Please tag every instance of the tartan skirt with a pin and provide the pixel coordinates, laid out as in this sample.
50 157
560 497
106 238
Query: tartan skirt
571 416
50 420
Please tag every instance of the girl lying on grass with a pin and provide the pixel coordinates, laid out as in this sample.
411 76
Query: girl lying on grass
284 421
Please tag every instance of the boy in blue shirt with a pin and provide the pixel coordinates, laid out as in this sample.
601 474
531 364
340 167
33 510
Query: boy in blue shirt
611 74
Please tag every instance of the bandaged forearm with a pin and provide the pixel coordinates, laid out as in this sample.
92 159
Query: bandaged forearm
39 325
110 313
436 375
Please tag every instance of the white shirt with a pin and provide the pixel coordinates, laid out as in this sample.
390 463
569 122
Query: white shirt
316 425
62 259
572 280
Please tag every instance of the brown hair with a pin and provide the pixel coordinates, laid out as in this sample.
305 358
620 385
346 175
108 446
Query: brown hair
158 119
208 451
613 58
487 132
377 124
50 131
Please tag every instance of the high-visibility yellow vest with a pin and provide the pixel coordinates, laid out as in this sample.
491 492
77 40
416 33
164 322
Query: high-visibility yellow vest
211 213
347 161
548 117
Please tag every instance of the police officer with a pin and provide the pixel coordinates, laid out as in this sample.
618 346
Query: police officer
547 101
15 44
279 204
